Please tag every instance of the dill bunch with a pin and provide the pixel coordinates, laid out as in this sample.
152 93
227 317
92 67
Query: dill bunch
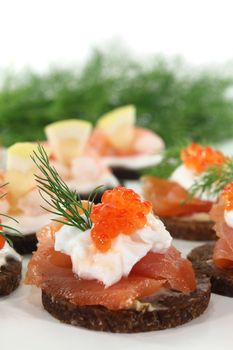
172 99
62 201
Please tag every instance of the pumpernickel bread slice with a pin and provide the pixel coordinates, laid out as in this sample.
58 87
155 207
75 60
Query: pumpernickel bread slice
190 230
221 279
25 244
167 309
125 174
10 276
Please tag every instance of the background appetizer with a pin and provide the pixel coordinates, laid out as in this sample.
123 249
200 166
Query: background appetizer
182 201
127 149
216 259
10 264
22 199
75 161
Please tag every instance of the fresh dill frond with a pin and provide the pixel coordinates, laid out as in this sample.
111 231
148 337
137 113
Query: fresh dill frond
62 201
170 161
172 98
213 180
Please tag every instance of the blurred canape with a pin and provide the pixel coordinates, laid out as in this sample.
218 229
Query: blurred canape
184 200
215 260
125 148
77 164
21 197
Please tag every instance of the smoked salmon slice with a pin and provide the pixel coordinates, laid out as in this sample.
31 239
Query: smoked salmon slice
223 254
52 273
61 282
170 199
223 250
177 271
217 211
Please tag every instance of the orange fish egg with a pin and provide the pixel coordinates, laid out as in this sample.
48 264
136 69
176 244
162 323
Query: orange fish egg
121 211
2 238
199 157
227 194
2 241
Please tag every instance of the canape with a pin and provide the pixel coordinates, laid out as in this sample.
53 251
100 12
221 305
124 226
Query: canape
75 161
10 266
178 201
125 148
112 266
22 199
216 259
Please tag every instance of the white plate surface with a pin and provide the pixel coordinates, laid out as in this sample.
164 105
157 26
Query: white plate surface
25 325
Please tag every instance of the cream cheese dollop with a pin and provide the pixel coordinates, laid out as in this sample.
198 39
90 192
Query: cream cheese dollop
186 177
228 217
8 251
109 267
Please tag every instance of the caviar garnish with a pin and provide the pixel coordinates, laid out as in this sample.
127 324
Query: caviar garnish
199 158
122 211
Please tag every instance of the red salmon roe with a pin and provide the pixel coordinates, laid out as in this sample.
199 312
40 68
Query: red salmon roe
199 157
227 194
121 211
2 238
2 241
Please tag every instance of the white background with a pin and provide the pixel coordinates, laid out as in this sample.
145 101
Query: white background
38 33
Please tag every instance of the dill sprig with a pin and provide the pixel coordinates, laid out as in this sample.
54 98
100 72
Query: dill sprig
62 201
213 180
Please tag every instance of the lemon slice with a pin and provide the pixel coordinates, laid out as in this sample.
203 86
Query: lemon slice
20 169
68 138
118 125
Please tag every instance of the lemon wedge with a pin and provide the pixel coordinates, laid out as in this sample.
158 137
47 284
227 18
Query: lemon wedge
68 138
118 125
20 169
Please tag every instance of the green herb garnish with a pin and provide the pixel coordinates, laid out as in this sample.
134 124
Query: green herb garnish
62 201
213 180
172 98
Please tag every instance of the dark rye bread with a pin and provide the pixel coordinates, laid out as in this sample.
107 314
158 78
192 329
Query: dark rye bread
24 244
221 279
190 230
165 310
10 276
125 174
